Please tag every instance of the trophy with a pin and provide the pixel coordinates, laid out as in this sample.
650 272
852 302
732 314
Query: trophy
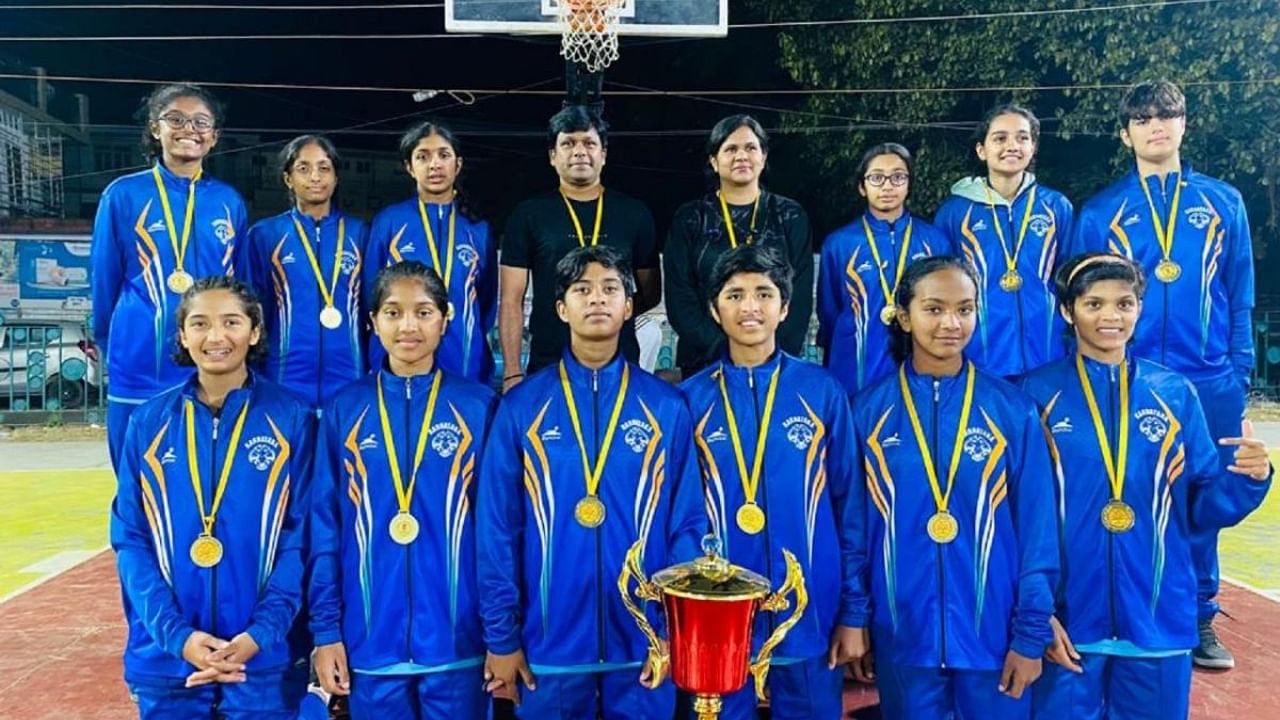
710 605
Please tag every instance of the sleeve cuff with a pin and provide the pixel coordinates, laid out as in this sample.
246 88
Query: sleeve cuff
325 637
505 646
261 636
178 640
1029 648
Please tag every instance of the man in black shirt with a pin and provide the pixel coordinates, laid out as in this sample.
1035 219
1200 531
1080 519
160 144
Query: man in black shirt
543 228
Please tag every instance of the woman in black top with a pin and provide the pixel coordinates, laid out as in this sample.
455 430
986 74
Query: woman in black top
737 212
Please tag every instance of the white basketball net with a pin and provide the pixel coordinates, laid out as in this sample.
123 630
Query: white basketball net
590 31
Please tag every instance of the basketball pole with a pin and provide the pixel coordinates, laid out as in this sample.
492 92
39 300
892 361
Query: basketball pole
583 87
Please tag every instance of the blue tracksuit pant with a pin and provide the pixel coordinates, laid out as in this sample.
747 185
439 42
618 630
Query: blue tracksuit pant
1115 688
1223 400
908 693
454 694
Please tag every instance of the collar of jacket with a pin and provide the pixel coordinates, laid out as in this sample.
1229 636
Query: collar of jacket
1102 372
417 384
309 222
191 388
177 182
1187 174
579 374
978 189
882 227
737 375
438 208
947 384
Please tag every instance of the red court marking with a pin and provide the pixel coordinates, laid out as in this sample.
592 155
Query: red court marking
62 642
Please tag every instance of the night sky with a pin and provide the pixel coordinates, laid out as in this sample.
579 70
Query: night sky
503 136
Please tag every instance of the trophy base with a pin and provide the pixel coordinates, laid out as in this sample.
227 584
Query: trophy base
707 707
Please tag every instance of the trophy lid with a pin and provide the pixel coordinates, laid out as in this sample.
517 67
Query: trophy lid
711 577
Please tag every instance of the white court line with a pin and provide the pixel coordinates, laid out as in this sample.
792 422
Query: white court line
1272 595
54 566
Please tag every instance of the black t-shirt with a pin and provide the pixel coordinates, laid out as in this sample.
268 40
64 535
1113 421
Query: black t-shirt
698 238
540 233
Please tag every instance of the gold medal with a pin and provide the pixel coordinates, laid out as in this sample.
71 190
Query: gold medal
888 314
180 281
1168 271
1118 517
404 528
1011 281
331 318
943 527
206 551
589 512
750 518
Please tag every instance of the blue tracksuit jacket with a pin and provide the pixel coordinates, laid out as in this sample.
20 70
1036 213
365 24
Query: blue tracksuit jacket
1200 324
1138 586
961 605
132 256
310 360
257 586
1017 331
850 296
412 607
397 234
805 482
547 584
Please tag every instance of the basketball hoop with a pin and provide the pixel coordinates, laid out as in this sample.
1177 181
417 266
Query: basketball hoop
589 31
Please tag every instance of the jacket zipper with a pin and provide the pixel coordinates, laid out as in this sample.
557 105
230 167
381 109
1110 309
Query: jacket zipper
213 579
942 579
320 375
595 434
1111 566
408 554
1164 325
1017 297
763 489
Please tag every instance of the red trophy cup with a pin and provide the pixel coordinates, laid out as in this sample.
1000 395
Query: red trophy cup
710 606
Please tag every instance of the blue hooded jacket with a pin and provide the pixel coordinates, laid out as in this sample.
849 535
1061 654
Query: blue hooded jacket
548 584
406 608
963 604
398 234
1019 330
1137 586
131 258
305 357
1201 324
805 481
155 518
850 297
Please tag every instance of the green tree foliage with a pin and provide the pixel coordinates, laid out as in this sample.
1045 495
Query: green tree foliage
1226 54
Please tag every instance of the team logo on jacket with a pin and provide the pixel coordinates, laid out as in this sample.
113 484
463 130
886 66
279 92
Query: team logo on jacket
1040 224
865 267
1063 426
157 226
799 431
445 438
1131 220
406 248
1199 217
636 433
223 231
892 441
1153 424
168 457
978 444
979 225
717 435
349 262
552 434
262 451
467 255
287 259
369 443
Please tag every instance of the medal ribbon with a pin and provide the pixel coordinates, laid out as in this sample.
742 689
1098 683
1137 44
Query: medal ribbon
1115 467
728 221
577 224
750 483
179 251
326 293
193 465
592 476
446 270
940 498
902 259
405 495
1011 260
1164 233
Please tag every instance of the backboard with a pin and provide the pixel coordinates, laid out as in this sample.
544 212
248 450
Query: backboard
653 18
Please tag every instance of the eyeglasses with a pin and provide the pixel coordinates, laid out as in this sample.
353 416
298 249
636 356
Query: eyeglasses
176 121
876 179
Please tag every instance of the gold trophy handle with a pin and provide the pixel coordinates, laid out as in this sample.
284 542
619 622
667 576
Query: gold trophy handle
777 602
658 659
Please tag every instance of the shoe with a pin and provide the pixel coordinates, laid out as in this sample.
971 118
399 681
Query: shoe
1211 654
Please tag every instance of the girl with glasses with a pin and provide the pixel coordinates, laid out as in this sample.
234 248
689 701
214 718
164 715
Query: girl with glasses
1012 230
155 232
862 264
